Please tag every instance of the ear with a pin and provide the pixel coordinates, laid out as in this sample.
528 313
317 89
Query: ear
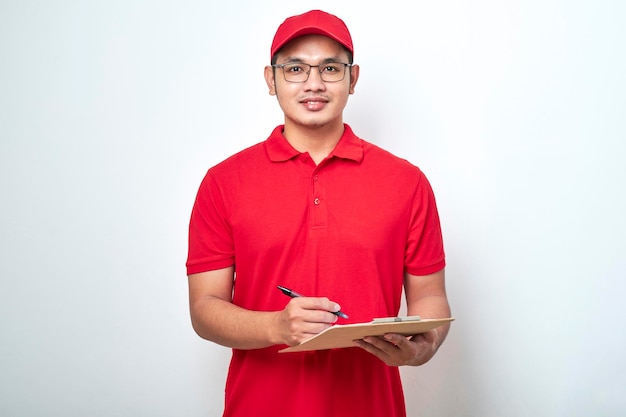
269 79
354 77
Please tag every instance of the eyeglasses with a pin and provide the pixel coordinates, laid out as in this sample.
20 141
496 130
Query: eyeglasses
330 72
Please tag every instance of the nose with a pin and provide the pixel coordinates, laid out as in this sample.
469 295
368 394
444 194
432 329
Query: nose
314 82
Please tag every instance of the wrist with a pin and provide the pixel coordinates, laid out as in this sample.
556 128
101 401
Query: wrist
429 345
272 328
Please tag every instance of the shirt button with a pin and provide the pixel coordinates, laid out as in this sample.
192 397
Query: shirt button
316 201
315 177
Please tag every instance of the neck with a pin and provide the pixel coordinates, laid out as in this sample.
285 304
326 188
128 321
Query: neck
318 141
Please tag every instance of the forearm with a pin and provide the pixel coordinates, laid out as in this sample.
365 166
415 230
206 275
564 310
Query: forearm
426 297
226 324
214 316
432 307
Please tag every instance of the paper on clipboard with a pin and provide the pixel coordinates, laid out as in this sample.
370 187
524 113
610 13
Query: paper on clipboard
342 335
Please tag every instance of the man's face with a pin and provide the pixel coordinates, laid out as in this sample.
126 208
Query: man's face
313 103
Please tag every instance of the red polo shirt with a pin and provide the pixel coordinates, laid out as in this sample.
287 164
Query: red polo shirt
347 229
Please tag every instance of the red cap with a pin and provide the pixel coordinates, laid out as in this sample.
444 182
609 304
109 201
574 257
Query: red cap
314 22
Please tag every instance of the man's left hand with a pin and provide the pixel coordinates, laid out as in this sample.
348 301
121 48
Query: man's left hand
396 349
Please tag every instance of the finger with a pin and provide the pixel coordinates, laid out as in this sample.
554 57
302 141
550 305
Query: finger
427 338
320 316
383 350
395 339
370 346
319 303
310 311
381 344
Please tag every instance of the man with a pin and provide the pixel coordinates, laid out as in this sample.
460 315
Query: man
324 213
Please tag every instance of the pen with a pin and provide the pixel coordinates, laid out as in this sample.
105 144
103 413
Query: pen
294 294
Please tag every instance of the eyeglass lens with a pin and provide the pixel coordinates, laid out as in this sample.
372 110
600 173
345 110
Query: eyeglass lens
299 73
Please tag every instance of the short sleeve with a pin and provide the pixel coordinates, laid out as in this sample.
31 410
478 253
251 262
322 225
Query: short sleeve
210 237
424 251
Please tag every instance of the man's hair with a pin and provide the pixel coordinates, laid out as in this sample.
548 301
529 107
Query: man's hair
350 55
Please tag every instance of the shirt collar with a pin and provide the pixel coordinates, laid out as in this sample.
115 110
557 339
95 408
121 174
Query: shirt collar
279 150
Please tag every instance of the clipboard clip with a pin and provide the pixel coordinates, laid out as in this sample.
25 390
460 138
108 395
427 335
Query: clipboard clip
396 319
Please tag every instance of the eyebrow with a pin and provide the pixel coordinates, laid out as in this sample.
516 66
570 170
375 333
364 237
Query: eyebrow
296 60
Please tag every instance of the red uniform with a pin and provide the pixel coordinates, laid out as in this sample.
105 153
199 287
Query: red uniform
346 229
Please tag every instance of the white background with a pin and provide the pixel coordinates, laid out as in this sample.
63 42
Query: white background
111 112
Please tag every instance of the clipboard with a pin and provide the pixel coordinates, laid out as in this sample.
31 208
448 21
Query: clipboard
342 335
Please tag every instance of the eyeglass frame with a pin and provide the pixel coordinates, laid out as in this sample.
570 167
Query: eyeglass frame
308 73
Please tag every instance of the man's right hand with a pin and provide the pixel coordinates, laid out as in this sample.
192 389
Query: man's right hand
304 317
